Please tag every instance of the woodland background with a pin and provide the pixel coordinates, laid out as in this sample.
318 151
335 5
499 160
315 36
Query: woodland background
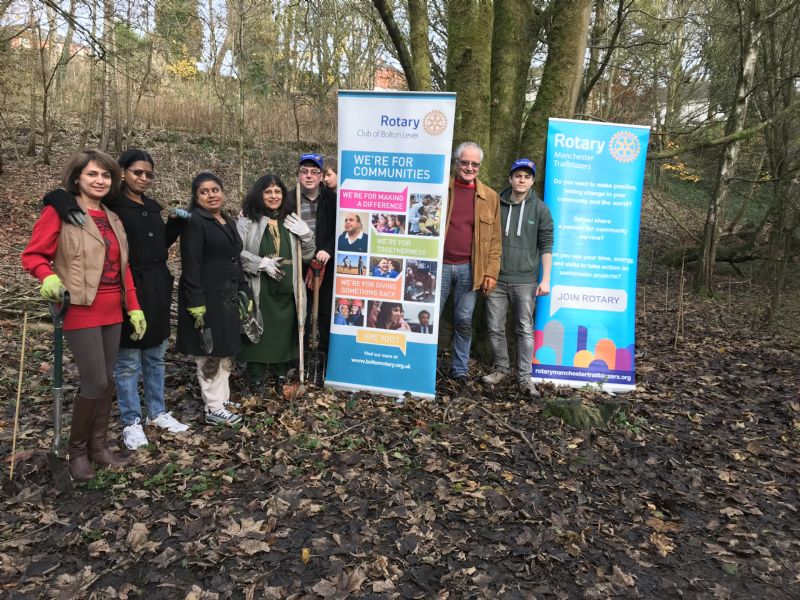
686 487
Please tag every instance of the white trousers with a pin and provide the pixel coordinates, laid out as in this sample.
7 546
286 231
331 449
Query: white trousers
213 374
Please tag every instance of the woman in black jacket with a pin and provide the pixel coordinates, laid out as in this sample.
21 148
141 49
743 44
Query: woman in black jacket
208 302
148 240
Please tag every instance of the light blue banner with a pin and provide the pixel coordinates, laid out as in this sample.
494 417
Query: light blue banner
393 166
584 330
382 368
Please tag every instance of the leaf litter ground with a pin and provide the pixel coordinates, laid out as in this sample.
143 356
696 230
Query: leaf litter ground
689 490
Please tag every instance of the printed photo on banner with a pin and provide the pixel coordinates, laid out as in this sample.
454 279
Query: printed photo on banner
420 284
388 268
352 232
351 264
349 311
412 317
388 223
424 214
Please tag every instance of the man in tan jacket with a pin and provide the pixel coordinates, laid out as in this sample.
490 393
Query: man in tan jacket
472 247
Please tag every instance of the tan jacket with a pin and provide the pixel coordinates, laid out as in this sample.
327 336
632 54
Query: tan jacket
80 256
486 237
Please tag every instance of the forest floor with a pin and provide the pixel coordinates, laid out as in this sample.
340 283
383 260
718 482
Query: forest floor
691 490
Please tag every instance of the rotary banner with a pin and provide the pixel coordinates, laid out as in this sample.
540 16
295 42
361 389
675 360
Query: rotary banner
584 330
394 168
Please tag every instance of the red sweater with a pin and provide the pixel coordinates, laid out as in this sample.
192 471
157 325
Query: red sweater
106 309
460 231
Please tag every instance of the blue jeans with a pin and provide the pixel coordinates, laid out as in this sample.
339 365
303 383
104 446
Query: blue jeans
522 299
131 364
459 279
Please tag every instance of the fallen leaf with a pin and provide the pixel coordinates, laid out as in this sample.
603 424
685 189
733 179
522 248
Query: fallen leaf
137 537
662 543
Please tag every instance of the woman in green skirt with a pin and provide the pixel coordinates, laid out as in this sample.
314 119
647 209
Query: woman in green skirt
269 230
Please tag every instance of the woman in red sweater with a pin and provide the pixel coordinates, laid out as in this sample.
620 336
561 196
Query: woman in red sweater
91 262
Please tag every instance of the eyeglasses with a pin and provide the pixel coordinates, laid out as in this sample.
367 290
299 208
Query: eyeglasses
139 172
310 172
469 163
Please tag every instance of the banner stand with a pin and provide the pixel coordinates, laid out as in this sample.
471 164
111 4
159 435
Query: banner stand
584 330
394 170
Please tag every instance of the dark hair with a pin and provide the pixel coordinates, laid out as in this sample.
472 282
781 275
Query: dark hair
78 162
132 155
253 206
384 316
423 312
199 179
331 164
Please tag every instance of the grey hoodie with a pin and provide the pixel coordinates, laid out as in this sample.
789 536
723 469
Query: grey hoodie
527 230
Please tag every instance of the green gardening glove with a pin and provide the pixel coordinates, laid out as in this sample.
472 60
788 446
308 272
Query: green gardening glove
244 313
138 323
197 313
52 288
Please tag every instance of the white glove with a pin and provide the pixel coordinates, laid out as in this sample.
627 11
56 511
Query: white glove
298 227
272 267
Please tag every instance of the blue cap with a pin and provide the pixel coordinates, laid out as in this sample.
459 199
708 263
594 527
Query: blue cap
315 158
523 163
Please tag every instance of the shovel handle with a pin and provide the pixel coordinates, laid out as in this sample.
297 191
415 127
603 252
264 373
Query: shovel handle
58 372
59 314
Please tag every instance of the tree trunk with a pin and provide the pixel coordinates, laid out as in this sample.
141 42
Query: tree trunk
593 67
420 45
516 29
108 26
704 274
90 100
241 72
469 35
561 78
34 58
63 59
747 199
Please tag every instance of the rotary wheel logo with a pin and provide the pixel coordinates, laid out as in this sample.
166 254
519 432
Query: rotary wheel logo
434 122
624 146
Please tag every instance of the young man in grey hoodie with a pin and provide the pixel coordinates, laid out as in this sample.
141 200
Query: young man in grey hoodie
527 228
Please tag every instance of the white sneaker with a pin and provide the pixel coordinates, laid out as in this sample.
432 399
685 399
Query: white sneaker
494 377
133 435
222 417
168 422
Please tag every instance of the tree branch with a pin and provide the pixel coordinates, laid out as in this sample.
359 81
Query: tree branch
398 40
726 139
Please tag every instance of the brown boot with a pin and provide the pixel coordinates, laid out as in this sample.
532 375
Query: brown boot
81 428
99 452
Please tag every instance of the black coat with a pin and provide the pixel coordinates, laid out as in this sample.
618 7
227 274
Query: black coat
148 241
211 276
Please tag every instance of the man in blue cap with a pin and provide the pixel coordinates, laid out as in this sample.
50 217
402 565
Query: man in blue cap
527 229
318 210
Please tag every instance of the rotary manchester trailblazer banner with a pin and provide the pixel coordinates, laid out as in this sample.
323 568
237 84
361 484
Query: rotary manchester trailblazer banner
394 169
584 330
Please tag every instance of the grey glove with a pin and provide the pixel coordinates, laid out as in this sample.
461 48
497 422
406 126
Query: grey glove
272 267
76 217
298 227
